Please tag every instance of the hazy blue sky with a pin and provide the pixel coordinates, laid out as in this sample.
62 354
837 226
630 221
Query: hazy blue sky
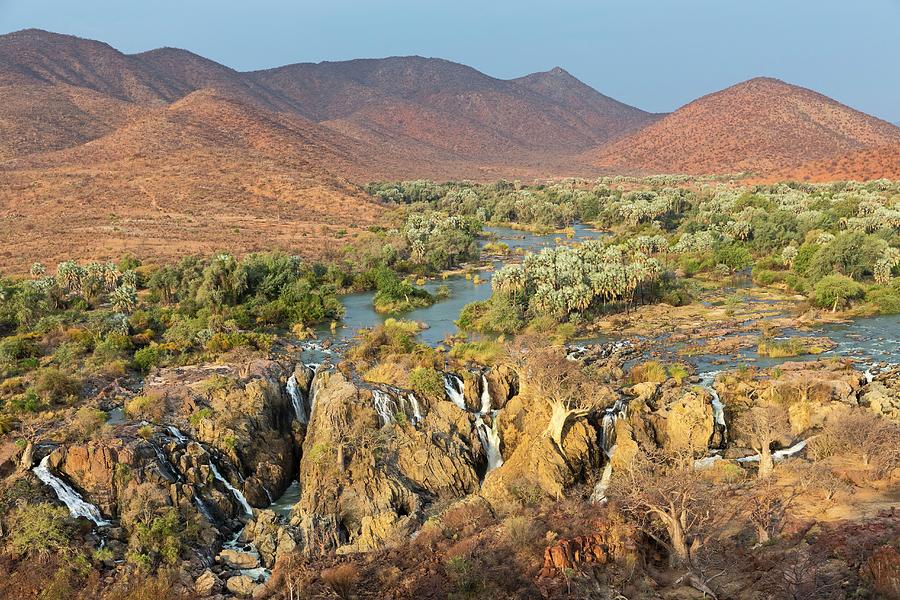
655 54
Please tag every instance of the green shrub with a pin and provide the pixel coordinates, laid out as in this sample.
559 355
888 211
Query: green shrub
735 256
836 291
885 297
87 421
149 357
40 530
427 382
55 385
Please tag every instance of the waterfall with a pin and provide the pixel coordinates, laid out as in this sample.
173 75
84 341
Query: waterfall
383 406
414 403
599 493
167 469
315 367
779 454
453 385
485 395
490 440
201 506
237 493
706 381
297 399
608 424
75 503
176 434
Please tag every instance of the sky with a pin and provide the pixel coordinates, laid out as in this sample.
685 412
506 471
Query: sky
654 54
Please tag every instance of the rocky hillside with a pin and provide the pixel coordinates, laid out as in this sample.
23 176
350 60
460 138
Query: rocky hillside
758 126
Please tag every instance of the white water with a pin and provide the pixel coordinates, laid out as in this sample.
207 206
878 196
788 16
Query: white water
490 441
384 406
706 381
599 493
485 395
177 434
237 493
414 403
608 423
453 385
75 503
293 390
779 454
707 462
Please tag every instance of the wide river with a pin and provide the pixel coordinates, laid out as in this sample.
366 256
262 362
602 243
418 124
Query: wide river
869 340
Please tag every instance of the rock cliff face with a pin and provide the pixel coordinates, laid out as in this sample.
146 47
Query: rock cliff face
245 413
363 483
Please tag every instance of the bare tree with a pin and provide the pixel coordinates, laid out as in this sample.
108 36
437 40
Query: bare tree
768 506
561 384
669 500
764 423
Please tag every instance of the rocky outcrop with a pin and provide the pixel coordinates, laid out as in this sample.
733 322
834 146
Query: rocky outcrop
882 395
812 392
532 462
364 484
207 584
671 417
271 537
612 541
245 413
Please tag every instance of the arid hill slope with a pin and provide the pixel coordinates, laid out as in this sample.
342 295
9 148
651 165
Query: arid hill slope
203 174
859 165
762 125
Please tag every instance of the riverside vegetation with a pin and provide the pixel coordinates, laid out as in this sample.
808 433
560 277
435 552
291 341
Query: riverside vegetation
614 416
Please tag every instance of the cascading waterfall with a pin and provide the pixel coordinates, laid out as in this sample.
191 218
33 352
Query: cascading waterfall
297 399
706 381
453 385
778 454
68 496
177 434
599 493
237 493
414 403
485 395
384 406
608 442
490 441
608 424
166 467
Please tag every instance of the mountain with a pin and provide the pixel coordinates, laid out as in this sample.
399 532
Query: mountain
762 125
606 117
166 152
444 108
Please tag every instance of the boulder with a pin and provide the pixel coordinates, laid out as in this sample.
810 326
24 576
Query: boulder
237 559
365 485
241 585
271 538
207 584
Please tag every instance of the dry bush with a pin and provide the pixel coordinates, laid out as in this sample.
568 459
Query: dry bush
521 531
466 519
873 440
342 579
